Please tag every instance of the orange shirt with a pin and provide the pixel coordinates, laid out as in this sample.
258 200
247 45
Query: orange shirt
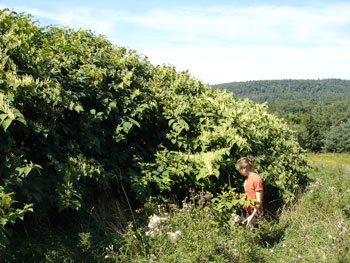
252 185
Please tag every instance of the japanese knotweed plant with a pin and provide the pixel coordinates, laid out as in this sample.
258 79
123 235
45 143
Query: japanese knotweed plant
14 168
208 131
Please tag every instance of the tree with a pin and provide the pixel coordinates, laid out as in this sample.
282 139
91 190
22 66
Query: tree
337 139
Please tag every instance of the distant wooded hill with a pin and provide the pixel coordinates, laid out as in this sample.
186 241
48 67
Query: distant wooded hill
318 110
270 90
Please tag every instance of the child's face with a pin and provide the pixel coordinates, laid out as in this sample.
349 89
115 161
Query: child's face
243 171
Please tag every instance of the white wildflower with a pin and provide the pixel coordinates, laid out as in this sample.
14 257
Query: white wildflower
346 208
150 234
332 189
109 248
341 226
178 232
155 221
235 218
316 184
173 236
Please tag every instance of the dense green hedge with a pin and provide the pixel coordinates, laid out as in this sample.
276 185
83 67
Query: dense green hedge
79 115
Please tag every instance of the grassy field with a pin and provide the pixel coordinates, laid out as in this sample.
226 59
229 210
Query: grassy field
315 228
329 158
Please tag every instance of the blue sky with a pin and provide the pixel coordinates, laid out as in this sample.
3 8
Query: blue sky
217 41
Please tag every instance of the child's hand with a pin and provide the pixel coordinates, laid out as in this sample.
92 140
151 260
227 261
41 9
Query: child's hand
249 220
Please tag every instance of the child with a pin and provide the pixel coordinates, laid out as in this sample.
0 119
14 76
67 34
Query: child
253 188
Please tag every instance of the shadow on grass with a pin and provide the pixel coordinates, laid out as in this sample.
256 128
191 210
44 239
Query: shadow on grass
270 232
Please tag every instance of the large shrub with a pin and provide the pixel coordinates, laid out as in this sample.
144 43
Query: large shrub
80 115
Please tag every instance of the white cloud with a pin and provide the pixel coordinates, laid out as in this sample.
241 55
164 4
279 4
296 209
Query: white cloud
76 18
253 25
217 65
223 43
267 42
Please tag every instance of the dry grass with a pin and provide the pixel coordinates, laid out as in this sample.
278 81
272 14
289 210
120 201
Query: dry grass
110 216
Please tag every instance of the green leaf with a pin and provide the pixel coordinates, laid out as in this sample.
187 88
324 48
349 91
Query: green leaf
20 214
3 116
203 173
246 203
27 170
75 204
71 105
134 122
171 122
23 171
235 202
78 108
3 221
22 120
216 173
127 126
6 123
229 205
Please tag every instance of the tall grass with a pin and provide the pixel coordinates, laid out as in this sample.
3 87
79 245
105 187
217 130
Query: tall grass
315 228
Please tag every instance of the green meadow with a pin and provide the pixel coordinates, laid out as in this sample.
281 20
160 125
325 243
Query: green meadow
329 158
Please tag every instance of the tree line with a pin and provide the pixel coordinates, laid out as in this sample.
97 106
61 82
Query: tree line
317 110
